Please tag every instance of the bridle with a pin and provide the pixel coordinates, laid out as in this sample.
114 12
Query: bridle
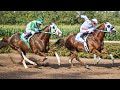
105 29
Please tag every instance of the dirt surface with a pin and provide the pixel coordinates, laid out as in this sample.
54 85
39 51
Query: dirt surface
51 70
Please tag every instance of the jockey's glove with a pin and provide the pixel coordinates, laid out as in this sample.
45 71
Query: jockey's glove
91 30
82 16
37 31
94 28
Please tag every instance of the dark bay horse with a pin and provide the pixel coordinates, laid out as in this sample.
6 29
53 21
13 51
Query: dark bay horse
95 42
39 43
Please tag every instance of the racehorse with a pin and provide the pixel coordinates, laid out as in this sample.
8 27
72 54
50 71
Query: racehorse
39 43
95 43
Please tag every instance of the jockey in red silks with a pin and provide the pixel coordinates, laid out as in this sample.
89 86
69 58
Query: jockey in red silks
86 28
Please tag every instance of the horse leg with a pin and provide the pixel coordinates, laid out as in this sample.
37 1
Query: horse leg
76 56
112 58
22 60
99 54
24 64
82 63
58 58
95 57
72 56
108 52
71 59
22 53
25 58
42 54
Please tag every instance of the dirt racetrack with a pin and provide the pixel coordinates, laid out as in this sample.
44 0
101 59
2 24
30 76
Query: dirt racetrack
104 70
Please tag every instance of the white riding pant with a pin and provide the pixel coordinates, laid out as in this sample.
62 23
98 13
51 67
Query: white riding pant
78 38
28 31
88 30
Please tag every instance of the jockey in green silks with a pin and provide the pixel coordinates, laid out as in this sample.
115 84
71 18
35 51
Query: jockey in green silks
32 28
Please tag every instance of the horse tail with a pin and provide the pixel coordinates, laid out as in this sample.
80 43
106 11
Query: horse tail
60 42
4 42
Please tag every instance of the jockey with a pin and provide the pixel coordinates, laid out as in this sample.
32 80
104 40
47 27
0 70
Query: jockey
32 28
87 27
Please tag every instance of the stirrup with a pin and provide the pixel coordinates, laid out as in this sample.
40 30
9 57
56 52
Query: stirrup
86 47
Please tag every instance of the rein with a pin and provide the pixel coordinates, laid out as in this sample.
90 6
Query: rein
102 30
47 32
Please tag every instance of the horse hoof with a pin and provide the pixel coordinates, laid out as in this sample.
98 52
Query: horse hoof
59 64
47 64
97 63
20 63
86 66
35 64
112 63
71 66
26 67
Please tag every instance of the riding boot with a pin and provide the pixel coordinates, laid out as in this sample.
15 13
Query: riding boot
81 35
27 36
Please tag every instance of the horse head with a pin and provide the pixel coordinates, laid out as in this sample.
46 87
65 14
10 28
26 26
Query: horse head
110 28
55 30
107 27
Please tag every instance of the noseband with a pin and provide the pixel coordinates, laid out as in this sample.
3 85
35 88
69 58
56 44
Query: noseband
103 30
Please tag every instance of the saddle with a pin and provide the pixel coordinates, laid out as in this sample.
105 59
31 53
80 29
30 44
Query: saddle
82 39
26 41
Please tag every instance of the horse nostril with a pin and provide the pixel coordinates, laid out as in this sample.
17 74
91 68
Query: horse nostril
114 31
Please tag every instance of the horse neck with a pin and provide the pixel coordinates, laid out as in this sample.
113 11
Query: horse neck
98 34
43 35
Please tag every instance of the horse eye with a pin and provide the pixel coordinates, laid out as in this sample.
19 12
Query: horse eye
108 26
53 27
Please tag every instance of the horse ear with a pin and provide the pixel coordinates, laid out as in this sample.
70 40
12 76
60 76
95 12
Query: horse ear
106 22
50 23
53 20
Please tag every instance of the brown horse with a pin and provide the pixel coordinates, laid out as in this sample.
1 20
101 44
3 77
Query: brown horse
95 42
39 43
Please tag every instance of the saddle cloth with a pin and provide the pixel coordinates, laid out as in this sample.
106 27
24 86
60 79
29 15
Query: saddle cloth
24 40
80 40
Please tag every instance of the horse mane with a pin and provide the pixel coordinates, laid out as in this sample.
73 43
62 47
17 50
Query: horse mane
100 25
45 28
96 31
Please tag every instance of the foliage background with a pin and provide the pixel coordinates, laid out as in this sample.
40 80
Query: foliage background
15 21
61 17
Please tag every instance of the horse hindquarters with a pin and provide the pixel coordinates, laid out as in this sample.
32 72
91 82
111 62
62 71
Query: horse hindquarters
4 42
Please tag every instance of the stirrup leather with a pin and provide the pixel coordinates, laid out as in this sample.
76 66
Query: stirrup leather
85 44
86 47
